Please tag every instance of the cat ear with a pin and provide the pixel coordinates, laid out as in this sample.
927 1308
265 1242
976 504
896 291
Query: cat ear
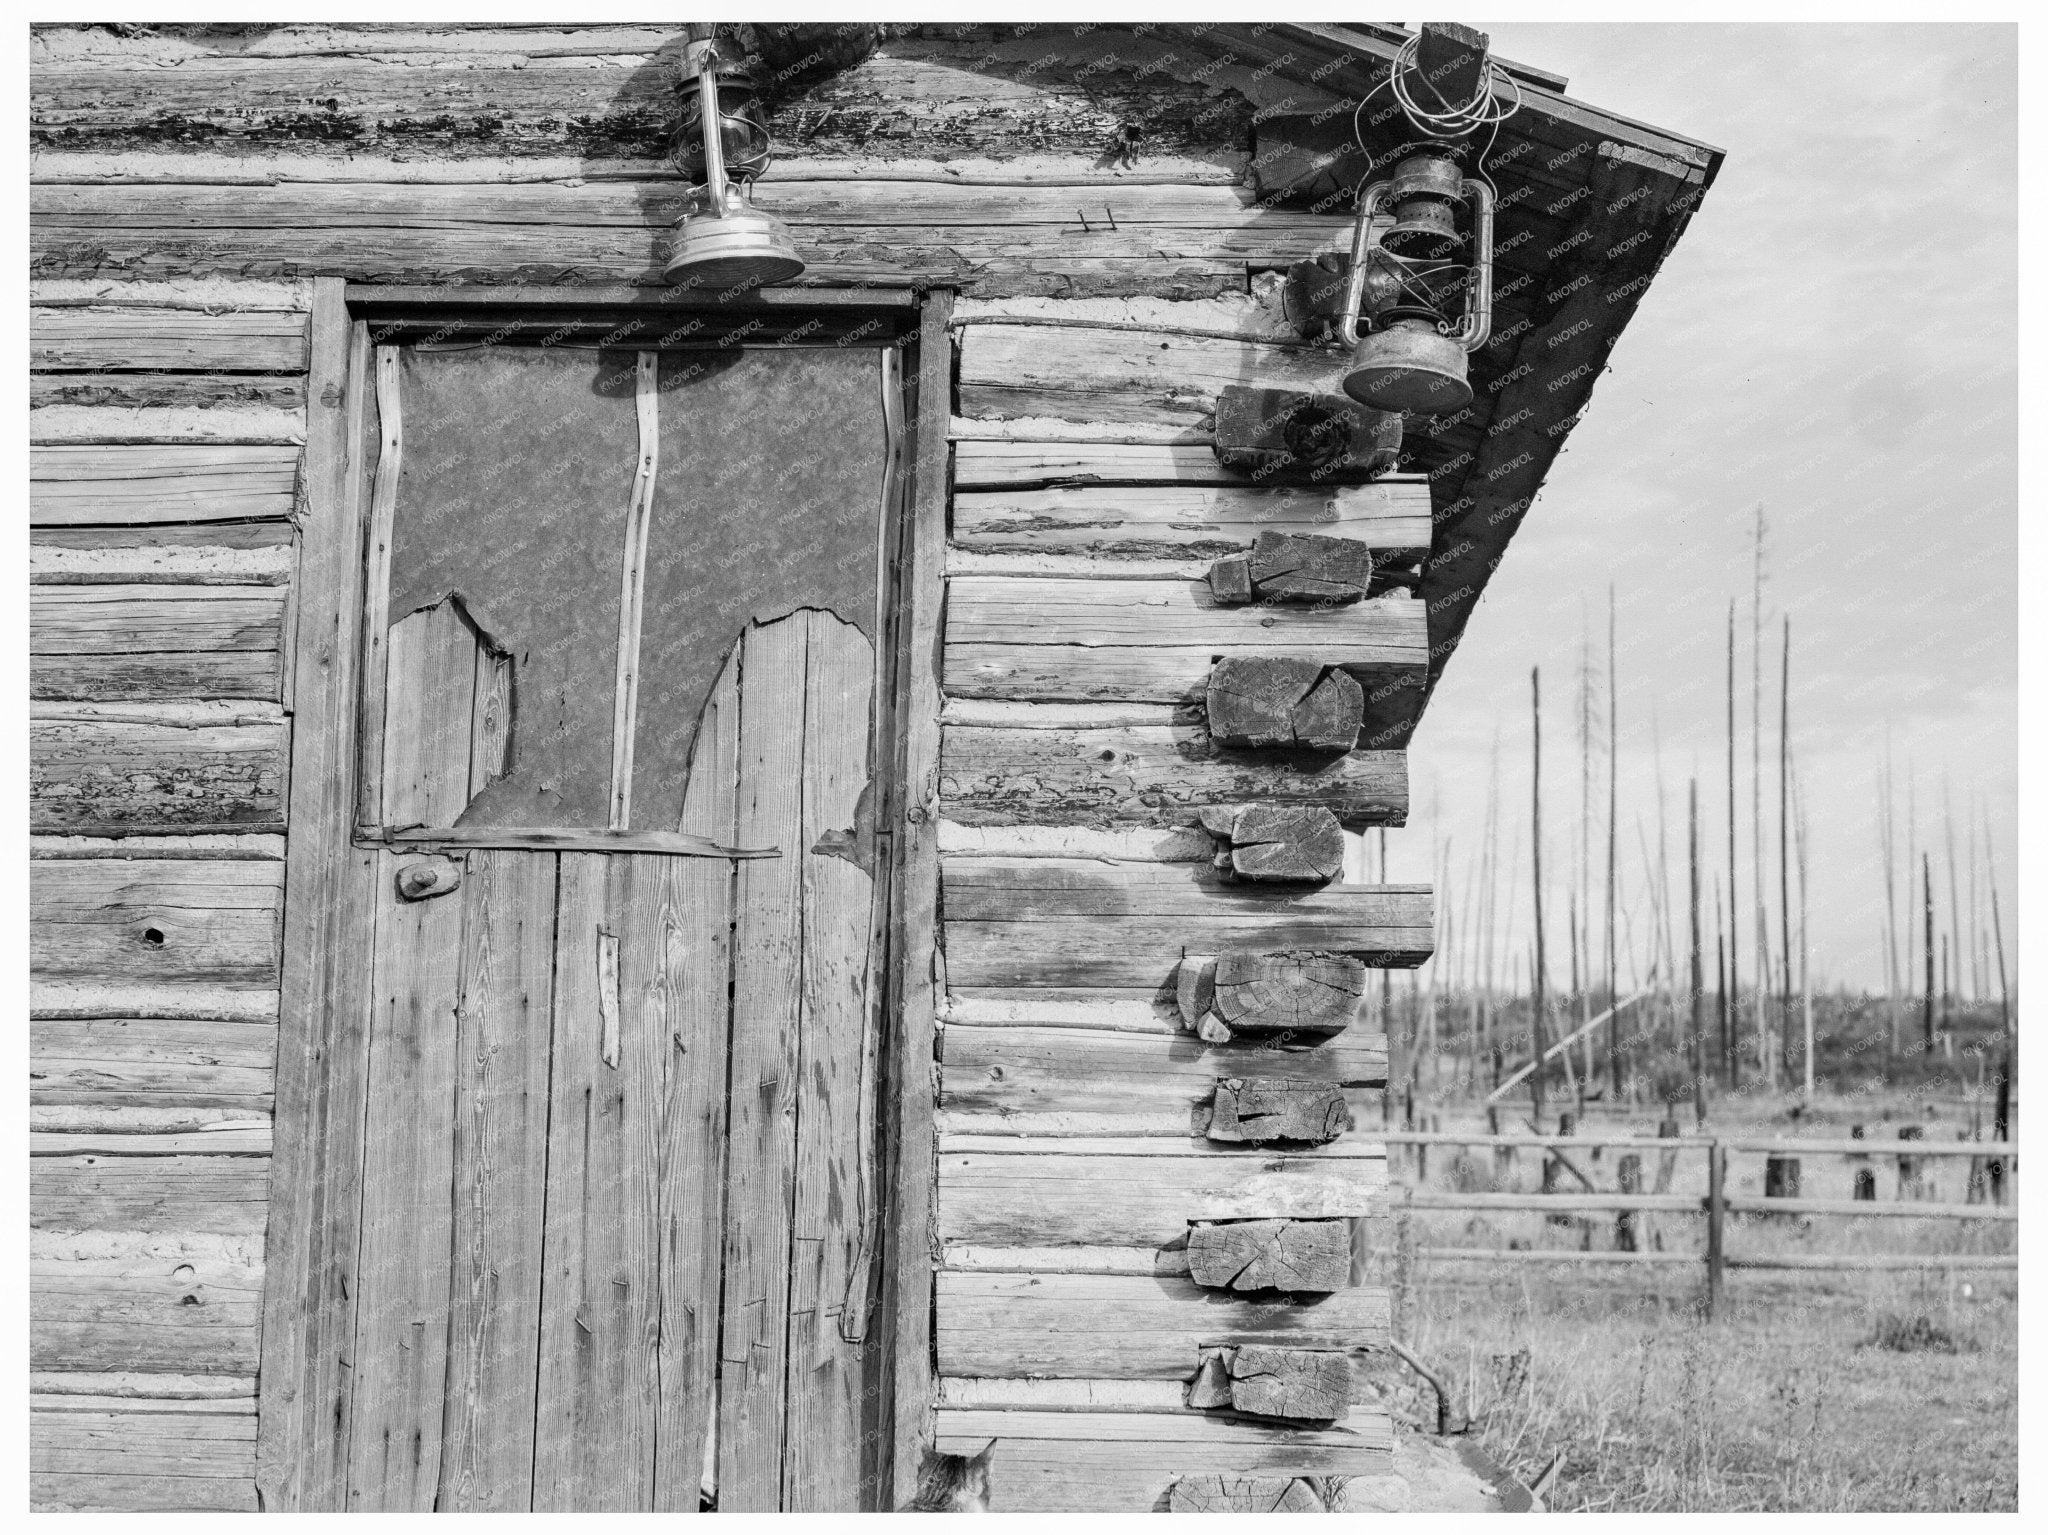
987 1455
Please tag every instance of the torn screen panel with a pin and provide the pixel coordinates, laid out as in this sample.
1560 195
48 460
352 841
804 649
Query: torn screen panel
768 499
517 473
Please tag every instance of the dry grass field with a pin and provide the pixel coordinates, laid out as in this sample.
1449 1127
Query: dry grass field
1812 1390
1886 1393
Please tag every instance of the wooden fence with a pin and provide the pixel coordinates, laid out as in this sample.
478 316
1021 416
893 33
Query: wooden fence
1996 1162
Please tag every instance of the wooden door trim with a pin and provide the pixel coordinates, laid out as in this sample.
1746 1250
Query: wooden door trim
323 1033
914 902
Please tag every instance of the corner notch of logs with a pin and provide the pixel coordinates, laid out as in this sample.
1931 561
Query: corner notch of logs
1277 844
1296 436
1259 1110
1300 1384
1299 1257
1285 702
1294 568
1295 992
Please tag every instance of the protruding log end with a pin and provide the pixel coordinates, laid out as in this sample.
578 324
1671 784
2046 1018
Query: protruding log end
1300 1257
1257 1110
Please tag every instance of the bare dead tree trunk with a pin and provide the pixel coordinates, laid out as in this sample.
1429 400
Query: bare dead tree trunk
1536 1017
1767 1058
1613 781
1927 944
1888 832
1732 1043
1699 1032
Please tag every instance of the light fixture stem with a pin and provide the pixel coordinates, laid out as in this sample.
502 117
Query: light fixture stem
709 121
1361 260
1478 320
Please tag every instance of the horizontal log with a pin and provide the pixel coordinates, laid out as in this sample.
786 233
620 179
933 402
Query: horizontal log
991 464
117 999
116 1492
239 1139
116 776
176 1447
149 921
1038 1195
122 1124
1131 1084
155 424
1020 922
146 1390
1089 374
1847 1147
229 1195
981 1394
70 485
1154 640
1564 1202
459 102
190 391
1989 1262
206 296
166 340
1112 844
127 620
259 846
1173 241
160 676
1149 776
1066 1260
1130 1327
1390 518
201 554
192 1315
1128 1462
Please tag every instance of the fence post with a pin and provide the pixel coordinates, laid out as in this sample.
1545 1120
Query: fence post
1717 1213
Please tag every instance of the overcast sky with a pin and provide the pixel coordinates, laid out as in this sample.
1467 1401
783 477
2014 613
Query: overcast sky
1833 338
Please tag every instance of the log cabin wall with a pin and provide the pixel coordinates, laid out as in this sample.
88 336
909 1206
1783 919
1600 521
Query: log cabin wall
1093 197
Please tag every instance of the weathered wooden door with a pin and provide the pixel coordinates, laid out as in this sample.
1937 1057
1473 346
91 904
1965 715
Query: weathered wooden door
620 726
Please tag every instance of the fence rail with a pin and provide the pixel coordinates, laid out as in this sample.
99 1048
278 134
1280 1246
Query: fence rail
1717 1204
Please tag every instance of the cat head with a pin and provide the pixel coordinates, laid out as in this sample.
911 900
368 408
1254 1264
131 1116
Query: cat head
956 1484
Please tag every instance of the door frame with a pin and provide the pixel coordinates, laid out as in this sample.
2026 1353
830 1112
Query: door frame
308 1324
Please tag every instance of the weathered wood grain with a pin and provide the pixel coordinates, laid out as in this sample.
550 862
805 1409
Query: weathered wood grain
1128 1462
401 1338
172 773
1149 775
1244 1495
202 554
1088 374
136 1459
600 1288
1298 1256
498 1173
1130 1327
154 425
1287 993
190 1314
324 1011
1389 518
764 1092
149 921
166 340
913 980
1040 1194
1282 844
111 620
1047 1080
1296 1383
1051 922
161 483
167 676
691 1009
835 1184
177 1193
146 1062
1022 464
156 391
1263 1109
1153 640
992 240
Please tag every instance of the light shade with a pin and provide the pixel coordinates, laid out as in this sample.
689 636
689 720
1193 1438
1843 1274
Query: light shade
741 247
1409 366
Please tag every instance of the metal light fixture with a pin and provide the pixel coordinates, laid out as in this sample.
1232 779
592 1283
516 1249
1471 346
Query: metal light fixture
722 241
1405 282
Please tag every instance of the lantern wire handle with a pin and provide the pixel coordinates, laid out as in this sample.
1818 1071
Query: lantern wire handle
710 123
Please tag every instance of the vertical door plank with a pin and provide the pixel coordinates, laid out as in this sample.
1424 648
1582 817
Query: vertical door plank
767 998
834 1180
401 1332
599 1318
499 1176
694 930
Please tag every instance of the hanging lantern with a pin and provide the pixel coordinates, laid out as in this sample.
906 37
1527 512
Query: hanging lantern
742 129
722 240
1405 285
